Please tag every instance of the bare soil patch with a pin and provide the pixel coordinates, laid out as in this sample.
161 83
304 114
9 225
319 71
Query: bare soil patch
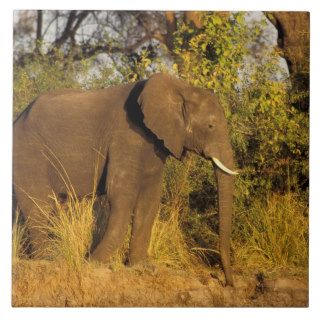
44 283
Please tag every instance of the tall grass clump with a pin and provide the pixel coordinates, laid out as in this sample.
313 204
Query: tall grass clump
273 234
168 245
120 256
19 238
69 230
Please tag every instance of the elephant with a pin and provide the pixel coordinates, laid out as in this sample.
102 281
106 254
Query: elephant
122 134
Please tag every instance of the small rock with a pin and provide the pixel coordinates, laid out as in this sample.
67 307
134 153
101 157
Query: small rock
283 284
200 297
194 283
301 295
285 297
240 283
269 285
228 294
184 296
214 284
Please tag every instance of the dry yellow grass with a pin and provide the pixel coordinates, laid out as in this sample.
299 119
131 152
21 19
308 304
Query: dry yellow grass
68 230
67 226
168 245
276 233
19 238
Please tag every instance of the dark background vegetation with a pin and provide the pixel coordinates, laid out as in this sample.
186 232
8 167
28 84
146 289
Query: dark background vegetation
267 109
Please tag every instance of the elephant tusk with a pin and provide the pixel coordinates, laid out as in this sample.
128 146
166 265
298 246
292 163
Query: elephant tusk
222 167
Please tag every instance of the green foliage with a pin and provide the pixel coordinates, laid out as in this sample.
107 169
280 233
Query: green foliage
213 55
41 74
269 136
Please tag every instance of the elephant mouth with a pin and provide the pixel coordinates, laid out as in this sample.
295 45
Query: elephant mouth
218 163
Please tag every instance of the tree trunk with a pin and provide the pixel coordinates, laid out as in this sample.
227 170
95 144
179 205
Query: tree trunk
171 23
39 29
294 40
293 37
193 17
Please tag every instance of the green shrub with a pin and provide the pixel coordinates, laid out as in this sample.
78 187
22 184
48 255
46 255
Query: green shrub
40 74
44 73
269 135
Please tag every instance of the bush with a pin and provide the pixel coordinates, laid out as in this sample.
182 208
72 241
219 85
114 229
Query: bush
40 74
44 73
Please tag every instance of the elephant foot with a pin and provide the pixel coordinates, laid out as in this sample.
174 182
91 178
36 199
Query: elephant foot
145 266
100 256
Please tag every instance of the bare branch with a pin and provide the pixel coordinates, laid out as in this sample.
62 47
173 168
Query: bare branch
66 32
50 23
80 19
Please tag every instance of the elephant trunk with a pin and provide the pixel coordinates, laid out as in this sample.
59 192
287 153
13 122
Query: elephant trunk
225 199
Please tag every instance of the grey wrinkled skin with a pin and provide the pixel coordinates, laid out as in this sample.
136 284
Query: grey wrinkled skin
121 135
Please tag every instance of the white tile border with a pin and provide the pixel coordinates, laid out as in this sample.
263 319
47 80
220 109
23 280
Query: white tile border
7 7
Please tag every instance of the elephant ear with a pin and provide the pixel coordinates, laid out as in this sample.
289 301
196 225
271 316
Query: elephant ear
162 105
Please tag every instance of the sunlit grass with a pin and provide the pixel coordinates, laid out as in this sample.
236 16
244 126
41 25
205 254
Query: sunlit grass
19 238
274 234
120 256
69 230
168 245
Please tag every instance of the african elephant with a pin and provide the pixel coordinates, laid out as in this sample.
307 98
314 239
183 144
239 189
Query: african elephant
128 131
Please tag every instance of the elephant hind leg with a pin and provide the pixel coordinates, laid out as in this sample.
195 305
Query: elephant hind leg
34 211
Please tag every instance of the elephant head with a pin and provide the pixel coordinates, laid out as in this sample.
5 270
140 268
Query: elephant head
189 118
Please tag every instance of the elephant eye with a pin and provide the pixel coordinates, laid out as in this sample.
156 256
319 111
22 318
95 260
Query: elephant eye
210 126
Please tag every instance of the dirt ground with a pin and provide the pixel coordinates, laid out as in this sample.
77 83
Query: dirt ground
44 283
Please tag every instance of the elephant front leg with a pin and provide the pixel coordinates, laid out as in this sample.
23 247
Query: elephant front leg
117 226
143 219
